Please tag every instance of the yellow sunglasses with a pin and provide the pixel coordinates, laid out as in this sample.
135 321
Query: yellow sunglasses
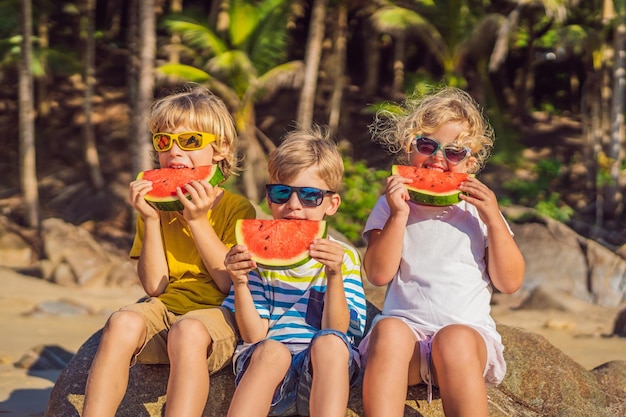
187 141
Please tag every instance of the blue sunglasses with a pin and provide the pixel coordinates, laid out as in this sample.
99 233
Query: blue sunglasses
308 196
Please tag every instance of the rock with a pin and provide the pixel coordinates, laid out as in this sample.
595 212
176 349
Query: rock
559 258
146 387
619 329
44 357
74 257
541 382
612 378
15 252
545 298
64 308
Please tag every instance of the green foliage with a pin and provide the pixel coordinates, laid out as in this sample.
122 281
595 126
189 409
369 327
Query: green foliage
362 186
508 148
538 193
553 207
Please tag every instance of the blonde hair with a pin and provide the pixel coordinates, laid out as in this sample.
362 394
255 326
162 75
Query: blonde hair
426 114
302 149
199 109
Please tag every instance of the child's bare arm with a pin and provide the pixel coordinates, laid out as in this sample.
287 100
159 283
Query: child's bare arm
336 314
151 266
212 250
251 326
505 262
384 248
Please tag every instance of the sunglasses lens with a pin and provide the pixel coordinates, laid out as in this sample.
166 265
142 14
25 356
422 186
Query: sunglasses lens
161 142
310 197
278 194
455 155
190 141
426 146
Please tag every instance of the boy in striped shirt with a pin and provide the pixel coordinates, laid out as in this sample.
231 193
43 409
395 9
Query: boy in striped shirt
298 325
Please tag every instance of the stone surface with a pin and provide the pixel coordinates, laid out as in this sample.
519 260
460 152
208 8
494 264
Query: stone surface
541 381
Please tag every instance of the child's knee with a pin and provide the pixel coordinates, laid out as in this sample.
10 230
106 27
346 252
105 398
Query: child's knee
328 344
271 352
189 330
124 322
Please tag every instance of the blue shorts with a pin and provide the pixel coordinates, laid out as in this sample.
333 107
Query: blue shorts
292 395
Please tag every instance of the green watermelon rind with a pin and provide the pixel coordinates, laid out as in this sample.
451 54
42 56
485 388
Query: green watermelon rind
429 197
172 203
293 262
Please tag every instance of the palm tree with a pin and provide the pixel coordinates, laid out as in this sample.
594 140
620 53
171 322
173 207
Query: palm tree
523 25
146 43
614 197
91 151
444 28
312 61
243 66
28 169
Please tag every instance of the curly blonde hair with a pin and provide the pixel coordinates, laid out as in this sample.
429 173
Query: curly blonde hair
424 115
302 149
198 108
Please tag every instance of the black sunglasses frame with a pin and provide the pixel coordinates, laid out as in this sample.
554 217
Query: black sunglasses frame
320 194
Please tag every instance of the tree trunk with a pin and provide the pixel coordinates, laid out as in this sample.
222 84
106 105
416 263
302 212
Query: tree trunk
313 55
176 6
614 201
254 175
145 94
91 151
372 64
340 70
399 46
28 165
43 101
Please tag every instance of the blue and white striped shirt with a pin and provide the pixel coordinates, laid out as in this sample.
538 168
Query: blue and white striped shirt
293 299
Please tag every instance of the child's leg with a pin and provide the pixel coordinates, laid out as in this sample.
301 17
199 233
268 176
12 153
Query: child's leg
331 379
267 368
198 343
393 363
188 344
459 355
122 336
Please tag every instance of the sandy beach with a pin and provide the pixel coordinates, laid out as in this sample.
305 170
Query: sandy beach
583 334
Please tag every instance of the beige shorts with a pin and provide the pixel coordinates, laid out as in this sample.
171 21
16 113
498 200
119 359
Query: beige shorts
219 322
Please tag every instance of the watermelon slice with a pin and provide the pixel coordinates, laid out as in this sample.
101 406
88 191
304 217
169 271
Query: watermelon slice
279 244
165 180
431 187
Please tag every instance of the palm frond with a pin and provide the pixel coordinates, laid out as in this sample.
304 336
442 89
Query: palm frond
267 40
234 68
195 34
395 20
287 75
183 72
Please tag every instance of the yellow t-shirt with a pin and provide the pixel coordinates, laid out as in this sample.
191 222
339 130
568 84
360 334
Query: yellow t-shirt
190 285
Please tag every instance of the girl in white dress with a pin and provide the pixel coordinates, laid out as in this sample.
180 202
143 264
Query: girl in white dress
439 265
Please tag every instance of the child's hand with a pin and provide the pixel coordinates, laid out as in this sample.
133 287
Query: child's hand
136 197
330 254
482 198
397 195
202 195
238 263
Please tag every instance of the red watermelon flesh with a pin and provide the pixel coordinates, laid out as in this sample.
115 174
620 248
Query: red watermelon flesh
165 181
279 243
431 187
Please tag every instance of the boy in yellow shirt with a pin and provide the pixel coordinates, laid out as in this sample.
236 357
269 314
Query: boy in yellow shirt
180 264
